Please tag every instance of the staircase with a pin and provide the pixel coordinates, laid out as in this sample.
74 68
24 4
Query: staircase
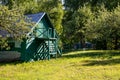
46 49
41 52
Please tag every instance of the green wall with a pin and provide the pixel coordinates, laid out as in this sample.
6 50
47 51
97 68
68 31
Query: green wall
43 29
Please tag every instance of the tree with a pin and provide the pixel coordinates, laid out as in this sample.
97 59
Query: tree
90 27
80 19
114 27
75 25
105 28
13 22
73 5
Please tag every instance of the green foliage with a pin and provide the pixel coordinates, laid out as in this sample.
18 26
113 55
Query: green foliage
105 27
80 18
75 25
29 6
3 44
14 22
92 20
74 5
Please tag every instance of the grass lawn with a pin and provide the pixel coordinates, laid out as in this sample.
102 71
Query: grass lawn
78 65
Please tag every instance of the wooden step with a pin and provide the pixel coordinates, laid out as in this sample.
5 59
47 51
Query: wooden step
47 38
53 53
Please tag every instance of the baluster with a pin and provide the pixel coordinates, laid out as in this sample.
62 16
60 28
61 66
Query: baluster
53 33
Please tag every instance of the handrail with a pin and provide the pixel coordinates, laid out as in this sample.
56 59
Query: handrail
47 33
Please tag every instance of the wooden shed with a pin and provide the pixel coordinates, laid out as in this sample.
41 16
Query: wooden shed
41 42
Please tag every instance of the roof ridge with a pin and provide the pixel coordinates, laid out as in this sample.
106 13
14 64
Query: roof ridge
36 19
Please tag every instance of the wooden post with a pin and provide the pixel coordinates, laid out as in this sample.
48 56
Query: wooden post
48 49
56 48
48 33
53 33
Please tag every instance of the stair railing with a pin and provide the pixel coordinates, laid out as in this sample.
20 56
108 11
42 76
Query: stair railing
56 42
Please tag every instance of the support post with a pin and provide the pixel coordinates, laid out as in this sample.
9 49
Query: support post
48 33
48 49
54 33
55 49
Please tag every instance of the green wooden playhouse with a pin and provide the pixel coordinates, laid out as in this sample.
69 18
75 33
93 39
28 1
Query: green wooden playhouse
41 42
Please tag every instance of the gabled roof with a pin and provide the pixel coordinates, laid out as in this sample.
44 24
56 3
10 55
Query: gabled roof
36 17
3 33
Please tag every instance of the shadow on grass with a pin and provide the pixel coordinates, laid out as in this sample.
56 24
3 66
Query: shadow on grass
99 54
102 62
97 58
10 63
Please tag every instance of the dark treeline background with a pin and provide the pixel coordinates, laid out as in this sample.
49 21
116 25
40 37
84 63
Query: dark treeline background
95 21
78 21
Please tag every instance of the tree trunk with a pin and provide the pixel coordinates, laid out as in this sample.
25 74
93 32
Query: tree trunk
116 42
104 44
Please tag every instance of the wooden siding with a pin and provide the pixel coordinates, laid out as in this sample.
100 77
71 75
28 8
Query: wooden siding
43 29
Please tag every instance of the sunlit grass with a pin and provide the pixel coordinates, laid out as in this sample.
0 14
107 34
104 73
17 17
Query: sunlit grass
77 65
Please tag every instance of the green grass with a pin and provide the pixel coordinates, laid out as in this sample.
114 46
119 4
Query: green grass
77 65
